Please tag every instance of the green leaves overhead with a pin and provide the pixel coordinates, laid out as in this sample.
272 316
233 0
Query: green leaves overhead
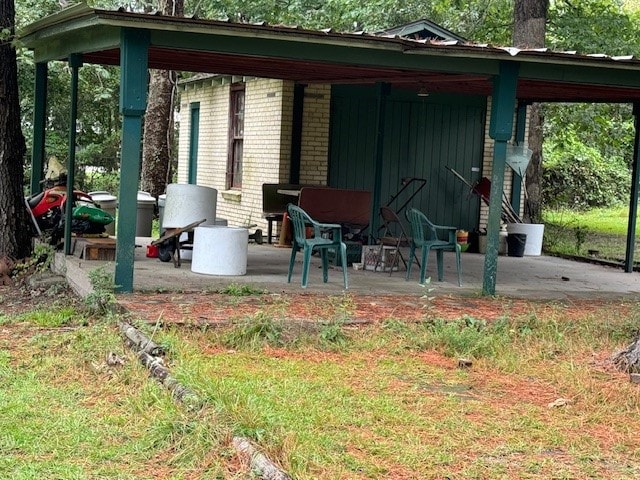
594 26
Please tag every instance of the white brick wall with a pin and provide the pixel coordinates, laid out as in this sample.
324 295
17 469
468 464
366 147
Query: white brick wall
315 135
266 148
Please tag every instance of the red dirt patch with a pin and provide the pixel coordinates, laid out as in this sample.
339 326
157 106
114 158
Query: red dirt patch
212 308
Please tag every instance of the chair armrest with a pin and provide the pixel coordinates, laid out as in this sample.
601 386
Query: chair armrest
450 230
445 227
336 229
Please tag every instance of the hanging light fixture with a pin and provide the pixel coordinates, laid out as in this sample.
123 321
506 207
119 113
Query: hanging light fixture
423 91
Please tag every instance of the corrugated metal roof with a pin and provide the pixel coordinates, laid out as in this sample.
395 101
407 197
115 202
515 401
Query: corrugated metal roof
297 54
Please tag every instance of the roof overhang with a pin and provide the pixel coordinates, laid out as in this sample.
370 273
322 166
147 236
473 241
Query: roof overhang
311 56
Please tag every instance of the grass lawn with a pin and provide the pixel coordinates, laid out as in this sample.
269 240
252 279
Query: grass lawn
599 233
326 400
65 413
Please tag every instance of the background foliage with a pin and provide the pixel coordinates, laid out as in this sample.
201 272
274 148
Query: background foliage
588 148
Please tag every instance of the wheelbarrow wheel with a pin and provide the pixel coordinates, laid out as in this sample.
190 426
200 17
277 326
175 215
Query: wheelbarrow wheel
165 251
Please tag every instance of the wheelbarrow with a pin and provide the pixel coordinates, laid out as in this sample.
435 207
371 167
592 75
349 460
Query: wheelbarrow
169 244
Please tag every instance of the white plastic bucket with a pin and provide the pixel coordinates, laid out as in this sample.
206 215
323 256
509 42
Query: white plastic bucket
534 232
186 204
220 250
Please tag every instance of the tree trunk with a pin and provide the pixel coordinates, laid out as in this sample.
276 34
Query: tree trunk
15 228
158 132
530 18
158 124
533 176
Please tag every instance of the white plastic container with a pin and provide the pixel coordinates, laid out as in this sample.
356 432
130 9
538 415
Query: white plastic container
108 203
220 250
186 204
145 210
534 232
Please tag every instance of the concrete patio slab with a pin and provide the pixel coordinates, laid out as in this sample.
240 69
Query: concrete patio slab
533 277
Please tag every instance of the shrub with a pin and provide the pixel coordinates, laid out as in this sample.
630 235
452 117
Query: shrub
576 176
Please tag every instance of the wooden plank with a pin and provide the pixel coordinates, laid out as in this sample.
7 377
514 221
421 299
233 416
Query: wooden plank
99 249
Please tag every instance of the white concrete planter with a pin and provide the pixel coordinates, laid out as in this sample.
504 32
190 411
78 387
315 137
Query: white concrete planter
186 204
220 250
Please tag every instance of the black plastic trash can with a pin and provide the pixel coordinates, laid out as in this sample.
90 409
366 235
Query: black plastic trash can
515 244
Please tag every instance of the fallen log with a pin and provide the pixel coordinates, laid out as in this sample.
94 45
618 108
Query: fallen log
628 359
140 341
258 462
161 373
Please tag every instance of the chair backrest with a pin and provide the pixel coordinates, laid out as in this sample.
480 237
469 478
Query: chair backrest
299 220
418 223
391 224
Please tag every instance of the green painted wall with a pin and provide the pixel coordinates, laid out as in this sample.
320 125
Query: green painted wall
422 136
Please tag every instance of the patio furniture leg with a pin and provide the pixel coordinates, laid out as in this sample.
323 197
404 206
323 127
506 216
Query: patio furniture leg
412 255
343 254
292 261
440 255
325 265
305 266
423 267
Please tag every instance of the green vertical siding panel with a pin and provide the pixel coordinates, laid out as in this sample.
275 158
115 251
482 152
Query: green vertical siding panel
422 138
352 143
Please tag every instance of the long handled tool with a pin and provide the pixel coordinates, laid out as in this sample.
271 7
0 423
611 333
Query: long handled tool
482 188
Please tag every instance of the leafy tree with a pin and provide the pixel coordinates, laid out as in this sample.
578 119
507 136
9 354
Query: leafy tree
604 130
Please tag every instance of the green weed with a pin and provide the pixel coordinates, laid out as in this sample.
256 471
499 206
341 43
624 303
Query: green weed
333 334
50 318
256 331
102 299
237 290
466 336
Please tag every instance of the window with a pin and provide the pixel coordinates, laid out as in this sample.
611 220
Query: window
236 135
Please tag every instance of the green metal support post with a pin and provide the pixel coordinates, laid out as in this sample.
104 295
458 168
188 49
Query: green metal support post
500 129
75 62
633 203
383 90
134 58
39 125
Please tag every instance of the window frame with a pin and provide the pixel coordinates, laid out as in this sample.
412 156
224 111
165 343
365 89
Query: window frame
237 108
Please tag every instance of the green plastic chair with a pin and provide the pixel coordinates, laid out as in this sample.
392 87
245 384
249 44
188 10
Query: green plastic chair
300 221
428 236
